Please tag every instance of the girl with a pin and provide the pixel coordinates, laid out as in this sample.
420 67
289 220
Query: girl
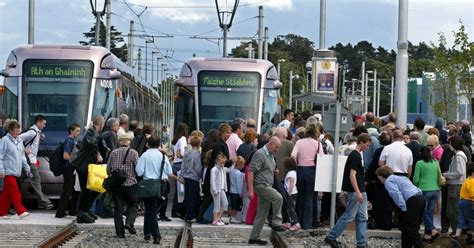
218 189
179 143
290 218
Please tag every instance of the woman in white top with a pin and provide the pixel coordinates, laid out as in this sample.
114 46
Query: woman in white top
179 143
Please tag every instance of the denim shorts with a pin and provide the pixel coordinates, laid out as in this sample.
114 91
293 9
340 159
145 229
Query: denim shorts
235 202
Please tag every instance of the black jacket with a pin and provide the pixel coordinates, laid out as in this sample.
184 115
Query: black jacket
219 147
415 148
88 149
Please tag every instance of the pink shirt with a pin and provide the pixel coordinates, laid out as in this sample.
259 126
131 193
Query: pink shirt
437 153
305 150
233 144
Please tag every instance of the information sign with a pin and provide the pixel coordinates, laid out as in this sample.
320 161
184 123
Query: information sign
58 69
229 79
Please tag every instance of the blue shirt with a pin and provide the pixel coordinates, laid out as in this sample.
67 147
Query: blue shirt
401 189
12 156
68 145
236 181
149 165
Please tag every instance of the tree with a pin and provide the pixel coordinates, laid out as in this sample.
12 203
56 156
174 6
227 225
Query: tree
452 79
116 38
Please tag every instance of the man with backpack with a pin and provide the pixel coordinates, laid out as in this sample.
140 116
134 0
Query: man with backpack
31 140
68 172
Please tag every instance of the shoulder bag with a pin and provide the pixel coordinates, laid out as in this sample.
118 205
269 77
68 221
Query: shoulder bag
151 188
117 177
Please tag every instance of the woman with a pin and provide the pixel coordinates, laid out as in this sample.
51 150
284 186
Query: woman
248 147
180 141
434 146
149 167
426 178
455 177
211 138
12 160
304 153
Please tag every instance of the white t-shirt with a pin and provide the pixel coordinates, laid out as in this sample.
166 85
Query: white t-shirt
290 174
180 145
397 156
285 123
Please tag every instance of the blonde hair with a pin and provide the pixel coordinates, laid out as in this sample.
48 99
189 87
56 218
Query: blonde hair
240 159
198 134
433 139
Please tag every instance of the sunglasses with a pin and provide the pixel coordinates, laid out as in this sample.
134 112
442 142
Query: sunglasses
430 145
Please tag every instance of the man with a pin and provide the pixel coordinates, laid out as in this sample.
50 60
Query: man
125 159
443 134
123 121
414 147
88 154
234 140
260 179
356 207
289 117
31 139
369 121
283 152
397 156
419 126
411 202
68 173
251 124
109 137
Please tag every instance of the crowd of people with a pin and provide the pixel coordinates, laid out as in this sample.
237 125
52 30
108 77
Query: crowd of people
404 176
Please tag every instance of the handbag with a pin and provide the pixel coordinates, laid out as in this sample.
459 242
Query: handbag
96 175
151 188
441 178
117 177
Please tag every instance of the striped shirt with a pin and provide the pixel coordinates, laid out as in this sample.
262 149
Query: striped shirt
115 162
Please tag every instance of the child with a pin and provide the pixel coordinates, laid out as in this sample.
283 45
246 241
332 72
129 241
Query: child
218 189
289 214
191 172
236 183
466 205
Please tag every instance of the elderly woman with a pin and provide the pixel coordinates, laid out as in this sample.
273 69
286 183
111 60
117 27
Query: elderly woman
435 148
12 160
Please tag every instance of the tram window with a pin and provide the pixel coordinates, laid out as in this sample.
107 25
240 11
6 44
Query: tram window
185 109
59 90
270 117
104 99
9 99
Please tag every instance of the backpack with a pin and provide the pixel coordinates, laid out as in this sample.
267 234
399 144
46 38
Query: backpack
139 144
56 160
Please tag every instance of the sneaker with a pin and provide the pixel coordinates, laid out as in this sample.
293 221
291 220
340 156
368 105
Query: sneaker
130 229
257 242
333 243
5 217
295 227
278 228
218 223
234 221
24 215
165 218
286 225
60 215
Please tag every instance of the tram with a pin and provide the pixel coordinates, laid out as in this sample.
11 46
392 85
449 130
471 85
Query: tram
70 84
212 91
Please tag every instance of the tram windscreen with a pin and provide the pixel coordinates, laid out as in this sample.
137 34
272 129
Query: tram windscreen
58 90
225 95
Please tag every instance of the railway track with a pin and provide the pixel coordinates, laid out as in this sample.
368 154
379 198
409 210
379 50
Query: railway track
60 237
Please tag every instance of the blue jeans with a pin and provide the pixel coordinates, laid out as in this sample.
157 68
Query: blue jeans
177 208
431 197
466 214
354 210
304 204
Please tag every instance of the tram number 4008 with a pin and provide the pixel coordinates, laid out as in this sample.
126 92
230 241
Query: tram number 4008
106 84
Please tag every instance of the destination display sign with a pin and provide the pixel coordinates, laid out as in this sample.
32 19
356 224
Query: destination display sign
58 69
229 79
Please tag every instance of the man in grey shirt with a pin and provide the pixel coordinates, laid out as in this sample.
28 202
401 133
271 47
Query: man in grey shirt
260 179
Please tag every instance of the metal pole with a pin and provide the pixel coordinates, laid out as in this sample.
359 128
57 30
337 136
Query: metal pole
363 85
225 41
139 62
108 14
157 71
322 25
334 164
278 68
290 93
249 50
265 50
260 32
391 95
343 88
378 97
31 22
366 93
146 60
152 70
401 86
130 45
97 28
374 107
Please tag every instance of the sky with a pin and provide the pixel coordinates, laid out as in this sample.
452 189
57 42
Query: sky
348 21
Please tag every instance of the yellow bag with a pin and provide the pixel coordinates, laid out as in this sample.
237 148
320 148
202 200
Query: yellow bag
96 175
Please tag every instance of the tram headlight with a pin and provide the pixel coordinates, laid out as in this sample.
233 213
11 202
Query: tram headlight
186 71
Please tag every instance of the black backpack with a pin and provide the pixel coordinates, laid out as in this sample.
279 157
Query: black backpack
56 160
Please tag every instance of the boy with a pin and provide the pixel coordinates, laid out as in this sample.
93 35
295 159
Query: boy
191 173
466 204
236 183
